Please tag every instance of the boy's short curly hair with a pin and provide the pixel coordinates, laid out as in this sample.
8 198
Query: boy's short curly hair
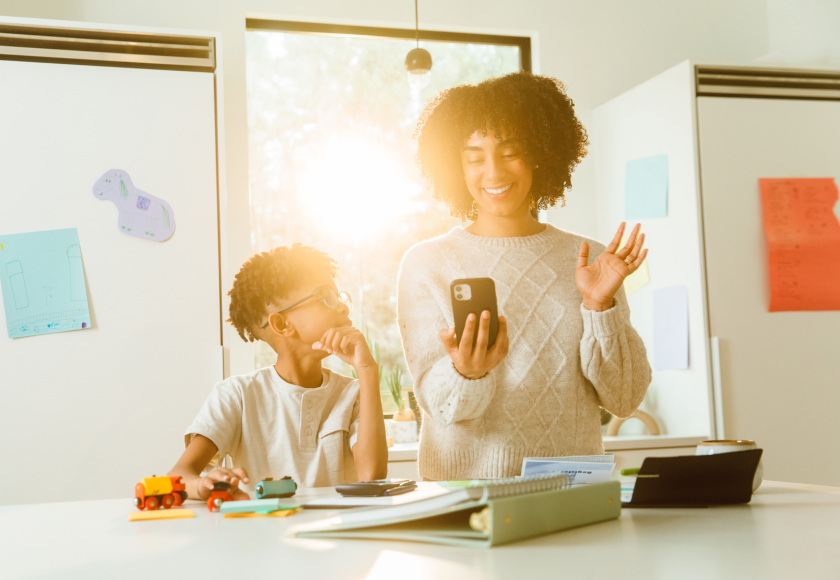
533 110
270 275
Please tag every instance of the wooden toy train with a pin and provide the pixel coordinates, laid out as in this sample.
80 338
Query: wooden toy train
165 492
271 488
159 493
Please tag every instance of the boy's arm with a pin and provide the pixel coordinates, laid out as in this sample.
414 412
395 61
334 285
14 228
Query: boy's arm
193 461
370 453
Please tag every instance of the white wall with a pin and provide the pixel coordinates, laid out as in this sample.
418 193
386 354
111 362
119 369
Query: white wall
599 49
804 32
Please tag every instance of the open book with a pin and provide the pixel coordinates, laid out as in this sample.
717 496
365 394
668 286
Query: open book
501 511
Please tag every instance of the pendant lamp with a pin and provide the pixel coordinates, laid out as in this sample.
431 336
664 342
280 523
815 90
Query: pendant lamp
418 61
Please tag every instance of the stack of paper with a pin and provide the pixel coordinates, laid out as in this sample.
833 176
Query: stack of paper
581 468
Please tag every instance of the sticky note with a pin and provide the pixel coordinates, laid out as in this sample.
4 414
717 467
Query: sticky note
277 514
170 514
670 328
803 243
646 188
43 283
641 276
257 505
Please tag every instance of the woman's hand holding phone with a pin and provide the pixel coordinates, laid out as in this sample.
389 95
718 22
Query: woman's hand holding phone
475 362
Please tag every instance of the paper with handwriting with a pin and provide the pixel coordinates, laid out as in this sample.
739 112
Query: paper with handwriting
803 243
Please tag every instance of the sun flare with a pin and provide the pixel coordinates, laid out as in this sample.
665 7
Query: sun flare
356 187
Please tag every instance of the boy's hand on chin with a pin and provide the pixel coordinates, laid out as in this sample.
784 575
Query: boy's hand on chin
232 476
348 344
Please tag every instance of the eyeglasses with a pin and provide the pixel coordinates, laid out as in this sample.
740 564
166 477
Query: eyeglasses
327 295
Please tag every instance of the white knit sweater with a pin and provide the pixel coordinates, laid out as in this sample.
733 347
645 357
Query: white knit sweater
564 362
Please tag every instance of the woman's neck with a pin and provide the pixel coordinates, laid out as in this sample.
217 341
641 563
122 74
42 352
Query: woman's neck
513 226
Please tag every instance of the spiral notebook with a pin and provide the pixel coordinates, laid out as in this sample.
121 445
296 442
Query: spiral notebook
499 512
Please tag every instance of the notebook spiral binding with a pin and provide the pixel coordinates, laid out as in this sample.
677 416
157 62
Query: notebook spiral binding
521 485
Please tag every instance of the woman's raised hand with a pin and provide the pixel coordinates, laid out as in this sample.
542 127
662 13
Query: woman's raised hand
599 281
474 363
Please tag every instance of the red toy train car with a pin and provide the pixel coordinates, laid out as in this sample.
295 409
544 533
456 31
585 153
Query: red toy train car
220 494
159 492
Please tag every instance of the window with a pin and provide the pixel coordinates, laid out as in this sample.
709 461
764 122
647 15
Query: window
330 124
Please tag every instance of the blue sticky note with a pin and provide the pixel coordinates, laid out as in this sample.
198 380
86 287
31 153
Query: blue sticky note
43 283
670 328
646 188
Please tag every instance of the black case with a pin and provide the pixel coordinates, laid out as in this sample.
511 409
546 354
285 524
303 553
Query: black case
483 298
695 481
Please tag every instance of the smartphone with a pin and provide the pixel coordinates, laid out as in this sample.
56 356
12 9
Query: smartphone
474 296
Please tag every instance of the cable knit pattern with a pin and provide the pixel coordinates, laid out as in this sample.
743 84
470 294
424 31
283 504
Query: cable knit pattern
565 362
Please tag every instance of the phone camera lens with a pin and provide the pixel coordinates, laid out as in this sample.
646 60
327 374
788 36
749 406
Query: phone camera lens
459 296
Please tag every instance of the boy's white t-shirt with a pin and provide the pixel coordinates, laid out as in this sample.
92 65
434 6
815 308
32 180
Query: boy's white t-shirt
273 428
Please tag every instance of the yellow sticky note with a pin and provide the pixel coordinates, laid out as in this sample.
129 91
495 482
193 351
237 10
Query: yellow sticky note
640 277
169 514
277 514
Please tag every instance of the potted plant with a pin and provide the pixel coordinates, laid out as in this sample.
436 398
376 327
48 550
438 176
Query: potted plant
393 381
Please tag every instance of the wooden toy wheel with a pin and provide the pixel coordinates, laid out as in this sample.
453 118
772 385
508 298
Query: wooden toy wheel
152 503
167 501
177 498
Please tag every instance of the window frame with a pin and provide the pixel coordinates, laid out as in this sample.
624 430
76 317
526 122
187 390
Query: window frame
317 28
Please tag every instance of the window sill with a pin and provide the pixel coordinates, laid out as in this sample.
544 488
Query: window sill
403 452
408 451
624 442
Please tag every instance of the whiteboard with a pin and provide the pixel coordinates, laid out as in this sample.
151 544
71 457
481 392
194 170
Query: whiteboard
780 371
86 414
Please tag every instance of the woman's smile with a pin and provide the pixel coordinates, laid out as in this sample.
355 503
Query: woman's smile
497 191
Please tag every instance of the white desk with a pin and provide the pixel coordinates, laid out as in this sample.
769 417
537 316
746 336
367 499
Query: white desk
788 531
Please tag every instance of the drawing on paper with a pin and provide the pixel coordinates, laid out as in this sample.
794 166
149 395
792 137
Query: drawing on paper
77 274
141 214
47 289
14 270
42 283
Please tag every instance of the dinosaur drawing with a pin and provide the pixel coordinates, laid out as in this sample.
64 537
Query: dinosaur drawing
141 215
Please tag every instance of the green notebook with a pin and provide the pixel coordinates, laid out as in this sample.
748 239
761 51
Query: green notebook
498 513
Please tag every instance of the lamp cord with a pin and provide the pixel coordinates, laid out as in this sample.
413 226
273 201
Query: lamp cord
416 24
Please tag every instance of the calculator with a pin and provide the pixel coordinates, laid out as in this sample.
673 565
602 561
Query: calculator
377 487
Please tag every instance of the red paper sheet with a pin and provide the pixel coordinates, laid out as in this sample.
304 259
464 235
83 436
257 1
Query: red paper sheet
803 242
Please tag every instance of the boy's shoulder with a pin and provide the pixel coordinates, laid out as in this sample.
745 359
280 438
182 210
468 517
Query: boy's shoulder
340 381
239 384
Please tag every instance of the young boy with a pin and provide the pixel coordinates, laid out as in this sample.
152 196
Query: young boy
294 418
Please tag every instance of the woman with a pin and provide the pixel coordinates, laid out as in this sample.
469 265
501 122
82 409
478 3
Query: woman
565 348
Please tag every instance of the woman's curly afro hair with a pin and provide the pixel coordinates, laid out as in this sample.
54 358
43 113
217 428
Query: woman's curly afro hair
268 276
533 110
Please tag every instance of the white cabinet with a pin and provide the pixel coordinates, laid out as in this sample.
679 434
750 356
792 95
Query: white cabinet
723 128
